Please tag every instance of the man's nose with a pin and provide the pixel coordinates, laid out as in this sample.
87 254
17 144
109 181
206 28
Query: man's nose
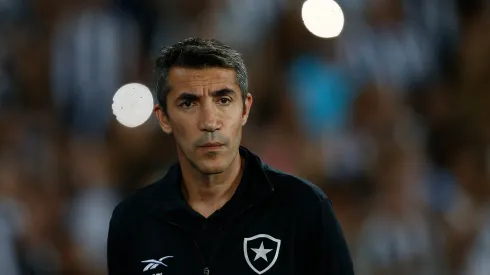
209 121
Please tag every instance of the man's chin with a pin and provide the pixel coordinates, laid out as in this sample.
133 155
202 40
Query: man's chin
211 169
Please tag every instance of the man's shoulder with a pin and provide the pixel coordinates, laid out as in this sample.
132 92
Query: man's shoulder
294 187
138 200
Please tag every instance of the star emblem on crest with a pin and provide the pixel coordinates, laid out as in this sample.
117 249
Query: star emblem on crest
264 255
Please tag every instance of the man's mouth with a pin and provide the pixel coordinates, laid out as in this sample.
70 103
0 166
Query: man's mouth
211 145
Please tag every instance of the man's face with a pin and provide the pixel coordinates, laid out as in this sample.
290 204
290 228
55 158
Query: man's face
206 113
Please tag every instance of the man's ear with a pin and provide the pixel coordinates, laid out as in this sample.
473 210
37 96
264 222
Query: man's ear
246 108
162 119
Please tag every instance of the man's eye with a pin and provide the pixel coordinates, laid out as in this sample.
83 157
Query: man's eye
186 104
224 100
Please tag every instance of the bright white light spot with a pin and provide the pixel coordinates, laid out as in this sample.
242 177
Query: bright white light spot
323 18
132 104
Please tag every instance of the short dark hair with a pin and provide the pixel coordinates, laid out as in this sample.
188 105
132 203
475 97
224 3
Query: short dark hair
197 53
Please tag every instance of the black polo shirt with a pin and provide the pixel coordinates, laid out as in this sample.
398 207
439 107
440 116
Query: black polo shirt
275 223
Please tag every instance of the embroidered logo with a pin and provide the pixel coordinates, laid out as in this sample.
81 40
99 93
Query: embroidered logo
261 252
152 264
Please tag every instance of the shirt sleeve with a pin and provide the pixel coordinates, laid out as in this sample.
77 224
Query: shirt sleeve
115 254
321 247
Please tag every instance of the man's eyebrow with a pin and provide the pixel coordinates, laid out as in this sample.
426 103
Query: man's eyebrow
193 97
187 97
223 92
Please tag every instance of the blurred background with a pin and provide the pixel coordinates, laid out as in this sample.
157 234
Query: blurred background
389 118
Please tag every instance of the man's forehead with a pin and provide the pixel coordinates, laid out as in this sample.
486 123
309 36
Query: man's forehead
205 76
197 81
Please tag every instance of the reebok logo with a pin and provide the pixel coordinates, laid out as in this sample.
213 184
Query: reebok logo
152 264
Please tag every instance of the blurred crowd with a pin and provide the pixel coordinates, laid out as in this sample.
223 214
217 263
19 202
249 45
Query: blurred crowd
388 118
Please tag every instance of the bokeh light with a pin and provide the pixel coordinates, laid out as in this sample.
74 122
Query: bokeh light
132 104
323 18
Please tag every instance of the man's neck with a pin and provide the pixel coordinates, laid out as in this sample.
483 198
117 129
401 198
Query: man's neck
208 193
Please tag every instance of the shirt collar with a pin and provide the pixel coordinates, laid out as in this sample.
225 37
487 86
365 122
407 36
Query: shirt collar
254 187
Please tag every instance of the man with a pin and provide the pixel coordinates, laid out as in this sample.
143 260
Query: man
220 210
